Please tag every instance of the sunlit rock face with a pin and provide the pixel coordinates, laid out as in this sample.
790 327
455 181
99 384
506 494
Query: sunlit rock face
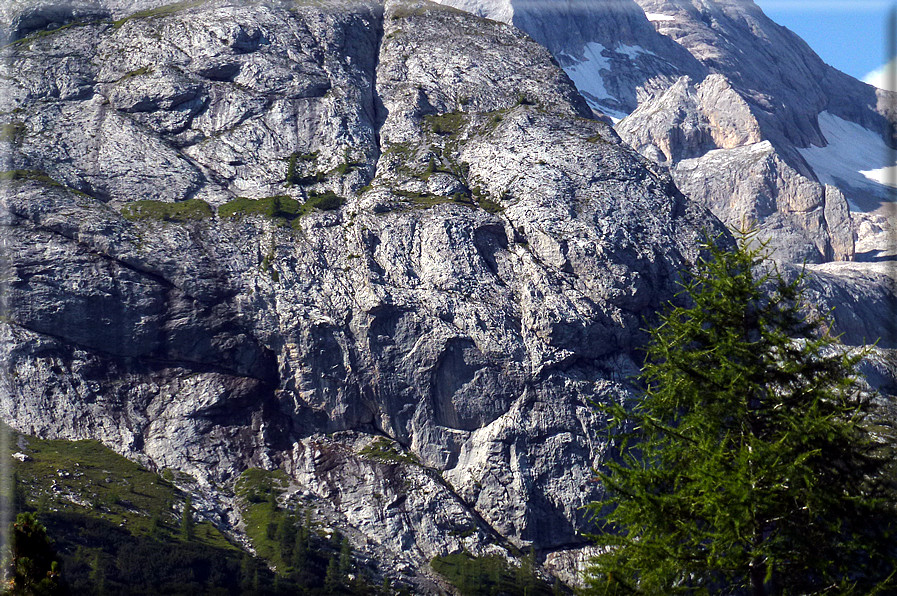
489 253
485 279
706 83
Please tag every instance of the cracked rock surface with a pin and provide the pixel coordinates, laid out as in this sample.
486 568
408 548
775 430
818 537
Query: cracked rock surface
447 253
483 277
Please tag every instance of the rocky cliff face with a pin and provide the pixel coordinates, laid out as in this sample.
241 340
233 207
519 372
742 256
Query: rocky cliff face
769 85
479 275
383 247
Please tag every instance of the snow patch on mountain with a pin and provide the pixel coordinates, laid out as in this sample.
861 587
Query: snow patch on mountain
854 156
586 74
656 16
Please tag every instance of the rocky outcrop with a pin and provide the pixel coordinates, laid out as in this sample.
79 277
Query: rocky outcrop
608 48
787 96
707 136
741 81
479 276
785 82
383 247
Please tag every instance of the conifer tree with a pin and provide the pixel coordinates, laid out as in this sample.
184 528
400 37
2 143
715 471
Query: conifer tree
187 519
35 566
747 467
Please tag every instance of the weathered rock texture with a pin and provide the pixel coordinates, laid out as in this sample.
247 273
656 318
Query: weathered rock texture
767 86
725 98
484 282
610 40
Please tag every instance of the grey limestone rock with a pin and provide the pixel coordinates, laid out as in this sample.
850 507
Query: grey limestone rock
632 60
480 272
803 220
742 80
484 280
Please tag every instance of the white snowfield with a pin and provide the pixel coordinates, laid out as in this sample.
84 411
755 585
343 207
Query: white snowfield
656 16
586 74
854 156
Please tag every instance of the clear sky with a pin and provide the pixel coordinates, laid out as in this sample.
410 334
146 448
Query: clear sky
851 35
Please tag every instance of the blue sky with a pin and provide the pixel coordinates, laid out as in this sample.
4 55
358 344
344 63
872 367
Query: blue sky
851 35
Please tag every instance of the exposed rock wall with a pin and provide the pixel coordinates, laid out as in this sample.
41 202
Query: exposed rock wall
485 280
492 257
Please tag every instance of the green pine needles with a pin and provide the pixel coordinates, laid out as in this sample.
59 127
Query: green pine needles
748 466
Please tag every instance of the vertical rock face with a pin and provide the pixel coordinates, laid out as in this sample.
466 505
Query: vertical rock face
480 276
382 246
791 98
776 71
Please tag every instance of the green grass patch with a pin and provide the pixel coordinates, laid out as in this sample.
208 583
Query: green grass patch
448 124
29 39
490 206
282 209
116 527
112 485
384 450
258 491
324 201
114 523
12 132
486 576
348 165
298 170
143 70
289 539
182 211
293 176
276 207
255 485
598 139
35 175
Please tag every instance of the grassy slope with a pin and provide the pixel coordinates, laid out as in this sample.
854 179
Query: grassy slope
118 528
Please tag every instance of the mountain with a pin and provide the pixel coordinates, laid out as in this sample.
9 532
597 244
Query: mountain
712 88
384 251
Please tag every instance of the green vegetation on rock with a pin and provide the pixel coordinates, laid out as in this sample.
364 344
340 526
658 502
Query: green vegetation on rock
490 575
189 210
35 175
449 124
293 167
325 201
384 450
113 523
306 560
118 529
280 207
12 132
160 11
